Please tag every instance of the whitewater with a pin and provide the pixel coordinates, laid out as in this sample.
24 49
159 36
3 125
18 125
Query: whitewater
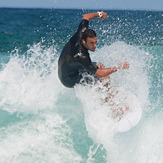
50 123
43 121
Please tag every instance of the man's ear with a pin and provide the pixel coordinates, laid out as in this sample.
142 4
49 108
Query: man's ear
83 41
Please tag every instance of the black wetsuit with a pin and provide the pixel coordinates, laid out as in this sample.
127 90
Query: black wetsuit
75 59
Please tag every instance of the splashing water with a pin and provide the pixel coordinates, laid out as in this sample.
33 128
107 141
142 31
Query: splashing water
99 124
29 81
42 121
29 90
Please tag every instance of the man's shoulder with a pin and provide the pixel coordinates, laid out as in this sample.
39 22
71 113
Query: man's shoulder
79 55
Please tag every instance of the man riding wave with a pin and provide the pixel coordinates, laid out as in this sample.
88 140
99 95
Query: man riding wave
75 58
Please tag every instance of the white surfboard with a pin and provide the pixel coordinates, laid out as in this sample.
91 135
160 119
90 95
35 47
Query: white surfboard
131 117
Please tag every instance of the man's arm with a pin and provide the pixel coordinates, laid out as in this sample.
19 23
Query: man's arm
90 16
106 71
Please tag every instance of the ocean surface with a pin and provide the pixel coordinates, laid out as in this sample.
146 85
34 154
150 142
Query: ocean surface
41 121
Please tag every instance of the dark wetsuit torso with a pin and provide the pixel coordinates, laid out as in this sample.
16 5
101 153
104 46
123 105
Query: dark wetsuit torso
75 59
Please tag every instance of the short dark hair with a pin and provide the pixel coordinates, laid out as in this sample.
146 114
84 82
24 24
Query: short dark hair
88 33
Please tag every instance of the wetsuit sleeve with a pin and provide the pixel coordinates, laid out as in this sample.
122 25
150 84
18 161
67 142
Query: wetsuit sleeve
85 61
76 38
92 68
83 26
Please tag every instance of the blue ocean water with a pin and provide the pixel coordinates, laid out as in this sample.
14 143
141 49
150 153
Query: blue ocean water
42 121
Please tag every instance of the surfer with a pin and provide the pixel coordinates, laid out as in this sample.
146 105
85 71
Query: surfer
75 60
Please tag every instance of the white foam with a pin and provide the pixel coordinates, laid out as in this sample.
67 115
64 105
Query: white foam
29 83
151 142
45 138
135 78
99 123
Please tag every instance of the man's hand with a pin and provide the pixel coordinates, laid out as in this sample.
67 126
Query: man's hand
100 65
104 15
124 65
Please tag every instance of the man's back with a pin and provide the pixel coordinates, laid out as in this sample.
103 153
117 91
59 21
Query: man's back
69 65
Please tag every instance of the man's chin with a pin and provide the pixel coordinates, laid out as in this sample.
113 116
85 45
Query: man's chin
92 50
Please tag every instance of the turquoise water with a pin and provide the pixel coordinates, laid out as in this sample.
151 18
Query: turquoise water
42 121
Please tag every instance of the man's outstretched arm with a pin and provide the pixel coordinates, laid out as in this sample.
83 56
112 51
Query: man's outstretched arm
106 71
101 15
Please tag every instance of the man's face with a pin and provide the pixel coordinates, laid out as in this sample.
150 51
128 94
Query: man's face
90 44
